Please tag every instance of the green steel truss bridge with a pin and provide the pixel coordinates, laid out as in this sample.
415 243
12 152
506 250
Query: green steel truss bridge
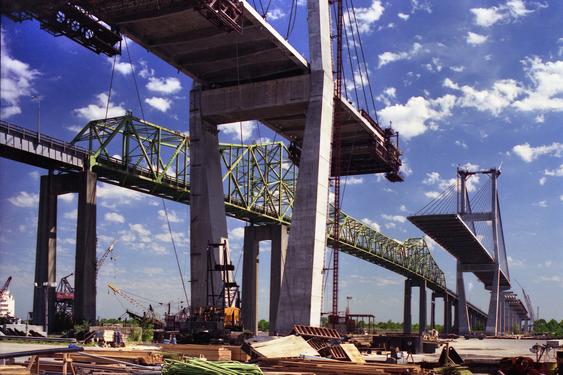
259 182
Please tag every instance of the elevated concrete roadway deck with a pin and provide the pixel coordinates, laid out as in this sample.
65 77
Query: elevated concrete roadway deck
453 234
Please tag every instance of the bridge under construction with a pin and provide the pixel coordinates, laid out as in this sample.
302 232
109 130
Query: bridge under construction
242 70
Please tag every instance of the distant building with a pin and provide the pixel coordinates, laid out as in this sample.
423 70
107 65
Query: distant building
7 304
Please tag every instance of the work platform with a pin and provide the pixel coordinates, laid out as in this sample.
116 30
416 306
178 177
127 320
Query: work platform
455 236
232 53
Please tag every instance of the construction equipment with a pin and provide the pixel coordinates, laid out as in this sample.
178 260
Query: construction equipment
64 295
6 285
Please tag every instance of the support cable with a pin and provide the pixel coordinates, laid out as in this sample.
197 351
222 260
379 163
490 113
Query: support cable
134 78
110 86
175 252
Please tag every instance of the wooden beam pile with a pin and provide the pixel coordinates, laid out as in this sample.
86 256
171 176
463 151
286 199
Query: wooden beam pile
210 352
331 367
14 370
139 357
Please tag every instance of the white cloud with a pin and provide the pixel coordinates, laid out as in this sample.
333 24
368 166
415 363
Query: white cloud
114 217
417 115
457 69
275 14
152 271
494 100
72 214
97 110
236 234
161 104
395 218
24 199
372 224
542 204
403 16
403 208
542 180
512 10
122 68
405 168
366 17
166 86
35 175
547 86
540 119
172 216
16 80
353 180
529 153
515 263
112 195
554 172
389 57
74 128
234 129
142 232
67 198
475 39
461 144
432 194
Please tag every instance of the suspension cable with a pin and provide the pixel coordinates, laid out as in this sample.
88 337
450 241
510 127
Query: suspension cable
134 78
110 86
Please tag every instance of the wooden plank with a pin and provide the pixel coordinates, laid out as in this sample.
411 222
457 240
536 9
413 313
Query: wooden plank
353 353
210 352
284 347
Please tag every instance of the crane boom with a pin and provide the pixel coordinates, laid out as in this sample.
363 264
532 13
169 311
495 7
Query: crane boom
104 256
6 285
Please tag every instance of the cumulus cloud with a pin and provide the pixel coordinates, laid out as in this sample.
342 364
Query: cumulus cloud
368 16
395 218
24 199
529 153
172 216
161 104
371 223
16 80
236 234
403 16
417 115
475 39
238 130
353 180
389 57
275 14
111 196
166 86
511 11
122 68
97 110
114 217
547 86
494 100
142 233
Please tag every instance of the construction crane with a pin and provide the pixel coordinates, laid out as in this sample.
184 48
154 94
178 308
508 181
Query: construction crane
64 295
6 285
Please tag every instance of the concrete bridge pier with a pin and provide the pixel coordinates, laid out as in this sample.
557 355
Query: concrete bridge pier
407 315
278 234
208 220
447 314
51 186
300 298
433 311
462 317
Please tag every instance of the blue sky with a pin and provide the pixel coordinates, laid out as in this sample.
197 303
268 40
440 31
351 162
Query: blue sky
477 82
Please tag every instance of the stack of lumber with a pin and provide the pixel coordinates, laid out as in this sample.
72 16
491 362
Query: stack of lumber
210 352
284 347
139 357
237 354
200 367
56 366
14 370
331 367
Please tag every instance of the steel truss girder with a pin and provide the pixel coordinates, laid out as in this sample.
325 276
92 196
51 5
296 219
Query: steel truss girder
259 181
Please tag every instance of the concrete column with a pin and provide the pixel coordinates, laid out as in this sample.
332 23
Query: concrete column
462 317
493 317
433 311
422 307
46 253
447 314
301 294
85 263
456 317
407 316
249 300
208 222
277 266
252 237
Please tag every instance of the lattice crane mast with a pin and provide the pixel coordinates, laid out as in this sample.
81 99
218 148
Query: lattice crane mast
104 256
129 297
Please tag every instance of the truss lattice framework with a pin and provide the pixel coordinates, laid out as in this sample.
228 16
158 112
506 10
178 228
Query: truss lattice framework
259 182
